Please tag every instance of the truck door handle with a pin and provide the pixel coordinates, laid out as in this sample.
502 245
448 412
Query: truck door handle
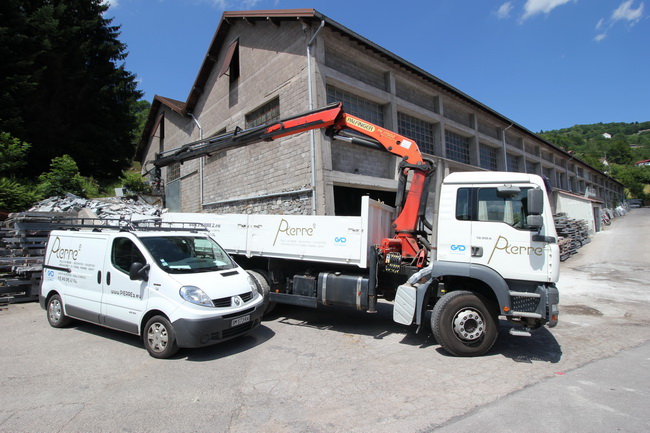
477 251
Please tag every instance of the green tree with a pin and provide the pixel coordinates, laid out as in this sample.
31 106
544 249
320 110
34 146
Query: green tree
65 87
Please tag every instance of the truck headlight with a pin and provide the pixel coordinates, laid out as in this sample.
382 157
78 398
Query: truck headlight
195 296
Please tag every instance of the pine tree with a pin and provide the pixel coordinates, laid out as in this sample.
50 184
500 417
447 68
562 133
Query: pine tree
63 85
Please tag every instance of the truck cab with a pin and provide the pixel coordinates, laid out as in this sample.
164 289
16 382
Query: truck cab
486 221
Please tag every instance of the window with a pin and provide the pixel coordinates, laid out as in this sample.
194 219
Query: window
488 157
187 254
513 162
357 106
418 130
124 253
230 64
488 205
457 147
531 167
174 172
268 112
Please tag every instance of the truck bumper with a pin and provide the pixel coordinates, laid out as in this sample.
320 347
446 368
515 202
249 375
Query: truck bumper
193 333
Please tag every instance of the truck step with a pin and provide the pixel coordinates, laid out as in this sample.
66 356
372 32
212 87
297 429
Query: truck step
518 332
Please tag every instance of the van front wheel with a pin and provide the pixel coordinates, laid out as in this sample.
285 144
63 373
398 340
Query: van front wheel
159 337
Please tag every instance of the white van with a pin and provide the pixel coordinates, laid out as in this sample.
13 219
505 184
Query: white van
172 288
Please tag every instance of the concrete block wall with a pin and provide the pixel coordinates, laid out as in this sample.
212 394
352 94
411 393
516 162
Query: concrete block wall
272 65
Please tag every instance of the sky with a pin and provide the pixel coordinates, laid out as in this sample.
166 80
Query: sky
544 64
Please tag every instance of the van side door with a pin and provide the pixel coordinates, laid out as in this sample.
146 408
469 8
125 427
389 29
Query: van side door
124 300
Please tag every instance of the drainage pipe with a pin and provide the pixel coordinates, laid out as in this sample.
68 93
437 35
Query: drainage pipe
312 136
200 162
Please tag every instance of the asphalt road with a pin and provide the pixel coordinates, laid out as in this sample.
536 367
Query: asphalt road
339 370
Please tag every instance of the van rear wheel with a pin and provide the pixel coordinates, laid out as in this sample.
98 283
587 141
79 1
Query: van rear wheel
55 315
159 338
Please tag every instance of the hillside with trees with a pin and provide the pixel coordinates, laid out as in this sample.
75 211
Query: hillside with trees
612 148
70 112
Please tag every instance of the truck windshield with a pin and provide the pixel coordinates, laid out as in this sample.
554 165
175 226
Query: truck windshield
485 204
187 254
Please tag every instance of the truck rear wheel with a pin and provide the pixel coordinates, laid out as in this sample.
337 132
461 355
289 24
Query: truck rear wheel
464 323
55 315
159 338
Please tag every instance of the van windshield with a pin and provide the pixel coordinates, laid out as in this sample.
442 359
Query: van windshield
187 254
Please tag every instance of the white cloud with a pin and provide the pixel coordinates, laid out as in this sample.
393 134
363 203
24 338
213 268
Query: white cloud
504 10
534 7
233 4
626 12
112 3
599 37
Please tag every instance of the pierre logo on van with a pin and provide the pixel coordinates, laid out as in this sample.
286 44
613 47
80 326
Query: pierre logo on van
64 253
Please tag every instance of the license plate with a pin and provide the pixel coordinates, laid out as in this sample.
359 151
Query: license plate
240 320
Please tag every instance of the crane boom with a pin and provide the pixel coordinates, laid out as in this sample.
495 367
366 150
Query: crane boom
410 223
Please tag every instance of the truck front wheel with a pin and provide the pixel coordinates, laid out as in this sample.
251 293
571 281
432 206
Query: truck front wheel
464 323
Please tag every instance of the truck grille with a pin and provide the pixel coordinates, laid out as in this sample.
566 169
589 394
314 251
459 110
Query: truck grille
227 301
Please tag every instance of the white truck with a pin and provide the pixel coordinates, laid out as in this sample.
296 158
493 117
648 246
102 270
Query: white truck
493 253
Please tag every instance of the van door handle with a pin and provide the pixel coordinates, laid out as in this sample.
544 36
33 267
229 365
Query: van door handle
99 277
108 278
477 251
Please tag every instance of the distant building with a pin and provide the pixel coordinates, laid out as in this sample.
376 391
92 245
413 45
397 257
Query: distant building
263 66
644 163
607 135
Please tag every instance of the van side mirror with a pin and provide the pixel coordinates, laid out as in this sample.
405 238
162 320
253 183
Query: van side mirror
138 271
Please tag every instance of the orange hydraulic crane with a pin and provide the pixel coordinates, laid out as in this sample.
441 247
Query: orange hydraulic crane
409 244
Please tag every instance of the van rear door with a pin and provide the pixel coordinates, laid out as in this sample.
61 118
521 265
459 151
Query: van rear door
73 264
124 300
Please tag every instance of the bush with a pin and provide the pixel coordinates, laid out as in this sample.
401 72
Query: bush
13 154
15 196
134 182
62 178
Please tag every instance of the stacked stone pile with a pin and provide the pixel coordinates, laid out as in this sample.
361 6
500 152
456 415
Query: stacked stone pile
24 235
104 208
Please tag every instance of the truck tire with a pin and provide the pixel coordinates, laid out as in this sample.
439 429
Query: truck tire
263 283
55 315
464 323
159 338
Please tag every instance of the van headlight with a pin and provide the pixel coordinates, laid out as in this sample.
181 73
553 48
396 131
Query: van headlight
254 286
195 296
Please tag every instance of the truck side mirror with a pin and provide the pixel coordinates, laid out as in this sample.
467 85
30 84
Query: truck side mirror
138 271
535 202
534 221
